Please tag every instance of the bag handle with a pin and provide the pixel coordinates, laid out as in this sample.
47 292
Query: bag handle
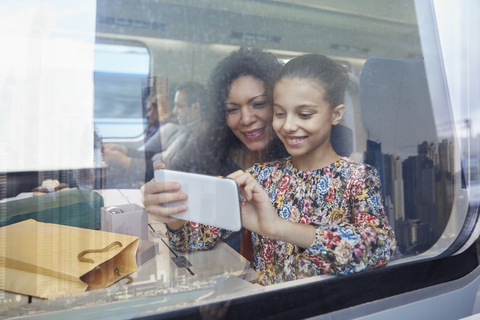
117 272
84 252
111 245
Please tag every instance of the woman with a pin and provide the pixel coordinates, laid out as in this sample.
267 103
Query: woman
237 132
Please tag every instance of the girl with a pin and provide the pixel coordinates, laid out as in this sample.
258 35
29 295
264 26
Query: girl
317 212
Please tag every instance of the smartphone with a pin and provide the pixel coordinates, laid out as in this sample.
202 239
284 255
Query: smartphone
212 201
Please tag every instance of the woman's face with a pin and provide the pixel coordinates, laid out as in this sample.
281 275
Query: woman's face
250 113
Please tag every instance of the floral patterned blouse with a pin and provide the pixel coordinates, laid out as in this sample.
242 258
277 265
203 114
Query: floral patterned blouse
343 201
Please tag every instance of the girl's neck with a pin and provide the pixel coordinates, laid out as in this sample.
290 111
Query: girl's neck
315 160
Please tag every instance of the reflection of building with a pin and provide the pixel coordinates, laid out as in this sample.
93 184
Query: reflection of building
389 211
425 205
427 149
444 189
397 189
410 232
394 189
417 192
444 181
409 175
374 158
446 156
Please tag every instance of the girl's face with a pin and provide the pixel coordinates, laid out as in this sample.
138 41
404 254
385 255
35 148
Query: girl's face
249 112
303 119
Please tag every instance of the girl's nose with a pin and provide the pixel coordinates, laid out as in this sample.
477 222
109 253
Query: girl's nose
248 116
290 125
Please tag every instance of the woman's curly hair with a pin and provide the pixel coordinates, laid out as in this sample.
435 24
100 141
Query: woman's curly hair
246 61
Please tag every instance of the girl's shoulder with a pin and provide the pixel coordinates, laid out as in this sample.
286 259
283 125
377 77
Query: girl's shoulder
359 168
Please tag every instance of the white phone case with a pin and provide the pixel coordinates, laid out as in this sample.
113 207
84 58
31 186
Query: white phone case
212 201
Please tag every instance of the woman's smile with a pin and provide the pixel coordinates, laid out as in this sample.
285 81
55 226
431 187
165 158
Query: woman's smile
254 134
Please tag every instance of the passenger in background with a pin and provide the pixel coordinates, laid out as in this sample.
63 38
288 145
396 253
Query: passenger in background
189 109
156 140
118 155
165 142
153 123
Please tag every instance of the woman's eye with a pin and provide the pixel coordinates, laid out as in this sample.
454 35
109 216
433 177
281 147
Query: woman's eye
259 104
232 110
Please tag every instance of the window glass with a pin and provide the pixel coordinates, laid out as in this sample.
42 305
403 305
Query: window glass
395 129
474 171
119 72
398 119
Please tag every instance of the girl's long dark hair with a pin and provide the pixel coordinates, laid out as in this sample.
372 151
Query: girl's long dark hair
330 75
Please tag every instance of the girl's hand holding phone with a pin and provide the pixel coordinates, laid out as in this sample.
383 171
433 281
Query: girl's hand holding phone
259 215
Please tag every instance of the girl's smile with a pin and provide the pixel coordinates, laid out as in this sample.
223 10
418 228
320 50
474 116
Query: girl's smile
293 140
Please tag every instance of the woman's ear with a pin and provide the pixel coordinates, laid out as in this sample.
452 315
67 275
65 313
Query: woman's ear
337 114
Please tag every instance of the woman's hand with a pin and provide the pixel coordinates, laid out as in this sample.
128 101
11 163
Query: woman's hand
258 214
155 194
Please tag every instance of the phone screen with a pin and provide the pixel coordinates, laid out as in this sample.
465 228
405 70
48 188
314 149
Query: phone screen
211 200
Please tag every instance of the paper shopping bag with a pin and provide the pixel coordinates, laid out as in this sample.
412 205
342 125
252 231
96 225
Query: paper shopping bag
50 260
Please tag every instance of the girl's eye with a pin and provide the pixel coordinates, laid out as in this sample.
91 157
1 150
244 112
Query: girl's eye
279 114
305 115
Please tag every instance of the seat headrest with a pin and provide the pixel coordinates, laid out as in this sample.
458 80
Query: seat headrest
396 106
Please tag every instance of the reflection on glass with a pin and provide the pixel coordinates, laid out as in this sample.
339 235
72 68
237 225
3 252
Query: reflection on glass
52 63
118 75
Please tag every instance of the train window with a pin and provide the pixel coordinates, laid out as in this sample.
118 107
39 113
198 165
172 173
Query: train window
400 118
119 73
